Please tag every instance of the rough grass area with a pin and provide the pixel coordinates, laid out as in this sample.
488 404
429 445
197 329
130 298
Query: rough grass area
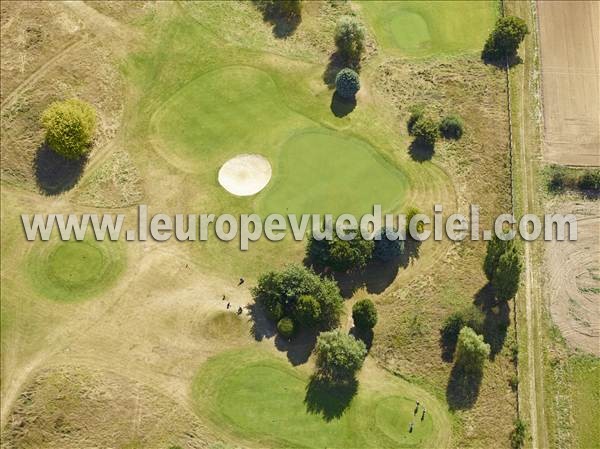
262 399
417 28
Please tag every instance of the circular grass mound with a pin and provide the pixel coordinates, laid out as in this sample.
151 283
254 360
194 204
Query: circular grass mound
74 270
264 401
245 175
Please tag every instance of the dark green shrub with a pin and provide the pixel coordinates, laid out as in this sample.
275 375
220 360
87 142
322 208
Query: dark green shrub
451 127
350 38
340 255
470 316
505 38
416 112
339 355
517 436
589 180
285 327
364 314
425 131
347 83
307 311
507 276
70 127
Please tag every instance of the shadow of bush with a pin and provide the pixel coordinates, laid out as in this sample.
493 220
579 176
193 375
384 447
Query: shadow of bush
496 321
462 390
341 106
54 173
299 348
328 398
366 336
420 151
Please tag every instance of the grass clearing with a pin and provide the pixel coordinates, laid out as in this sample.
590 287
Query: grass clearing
261 398
74 270
417 28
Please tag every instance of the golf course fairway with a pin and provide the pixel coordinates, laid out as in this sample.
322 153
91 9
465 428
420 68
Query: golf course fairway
262 400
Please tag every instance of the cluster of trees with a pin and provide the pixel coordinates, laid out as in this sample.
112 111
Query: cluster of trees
502 267
470 317
70 126
504 40
297 296
426 129
349 37
338 254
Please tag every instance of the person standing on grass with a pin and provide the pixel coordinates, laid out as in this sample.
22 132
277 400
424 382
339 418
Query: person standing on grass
241 281
228 305
423 415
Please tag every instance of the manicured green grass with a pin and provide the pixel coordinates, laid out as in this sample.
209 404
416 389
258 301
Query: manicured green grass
328 172
425 28
74 270
258 397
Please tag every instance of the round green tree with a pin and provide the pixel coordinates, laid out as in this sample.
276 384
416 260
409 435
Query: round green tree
70 127
307 311
471 351
339 355
505 38
416 112
285 327
364 314
470 316
425 131
452 127
347 83
350 38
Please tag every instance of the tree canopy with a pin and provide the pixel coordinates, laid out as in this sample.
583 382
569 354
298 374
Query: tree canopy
349 38
339 355
364 314
502 267
279 291
70 127
347 83
471 351
505 38
340 255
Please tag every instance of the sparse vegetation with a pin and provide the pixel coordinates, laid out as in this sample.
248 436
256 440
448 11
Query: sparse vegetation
517 436
70 127
347 83
560 179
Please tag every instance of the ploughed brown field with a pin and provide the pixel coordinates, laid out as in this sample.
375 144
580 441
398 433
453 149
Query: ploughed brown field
570 53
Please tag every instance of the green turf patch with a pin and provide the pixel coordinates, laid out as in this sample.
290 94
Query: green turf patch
424 28
323 171
257 397
585 396
72 271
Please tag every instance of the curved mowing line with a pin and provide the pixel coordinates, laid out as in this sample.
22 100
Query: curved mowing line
256 397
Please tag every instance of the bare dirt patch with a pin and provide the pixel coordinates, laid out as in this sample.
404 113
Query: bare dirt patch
574 280
570 45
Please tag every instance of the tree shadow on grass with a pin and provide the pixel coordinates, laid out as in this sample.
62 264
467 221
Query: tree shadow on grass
500 62
329 398
54 173
262 326
375 277
283 26
366 336
496 321
299 348
462 389
341 106
335 64
448 346
420 151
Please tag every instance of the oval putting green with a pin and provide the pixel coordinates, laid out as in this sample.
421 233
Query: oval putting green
74 270
322 171
257 397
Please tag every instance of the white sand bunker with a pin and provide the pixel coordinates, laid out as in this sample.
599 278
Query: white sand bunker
245 175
